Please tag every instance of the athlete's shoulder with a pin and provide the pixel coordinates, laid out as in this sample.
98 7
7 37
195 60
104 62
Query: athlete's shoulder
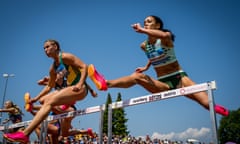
143 45
67 55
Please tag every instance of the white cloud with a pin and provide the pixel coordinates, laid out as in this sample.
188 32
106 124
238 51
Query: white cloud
203 134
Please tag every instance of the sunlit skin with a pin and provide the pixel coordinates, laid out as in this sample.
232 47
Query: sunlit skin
67 95
44 81
53 130
152 31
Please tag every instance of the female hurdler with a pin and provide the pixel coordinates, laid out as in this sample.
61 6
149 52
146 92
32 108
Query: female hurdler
159 49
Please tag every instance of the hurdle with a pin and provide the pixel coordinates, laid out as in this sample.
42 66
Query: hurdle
44 124
208 86
89 110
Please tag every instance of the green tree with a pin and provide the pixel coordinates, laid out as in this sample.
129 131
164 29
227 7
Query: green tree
229 128
105 114
119 121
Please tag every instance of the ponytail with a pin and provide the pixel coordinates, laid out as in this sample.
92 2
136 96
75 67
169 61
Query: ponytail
172 35
159 20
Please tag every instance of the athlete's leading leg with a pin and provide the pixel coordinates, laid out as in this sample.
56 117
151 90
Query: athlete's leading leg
141 79
64 96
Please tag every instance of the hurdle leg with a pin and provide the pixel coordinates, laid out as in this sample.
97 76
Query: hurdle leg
4 140
109 123
212 111
102 108
43 133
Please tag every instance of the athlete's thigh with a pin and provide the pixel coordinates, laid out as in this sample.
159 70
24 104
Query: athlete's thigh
159 86
52 129
153 85
186 81
200 97
66 96
65 126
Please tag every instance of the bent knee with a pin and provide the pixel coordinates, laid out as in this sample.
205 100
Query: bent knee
138 76
41 101
46 100
48 103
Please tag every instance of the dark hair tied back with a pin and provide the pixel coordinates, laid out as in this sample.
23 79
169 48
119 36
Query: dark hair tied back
172 35
159 20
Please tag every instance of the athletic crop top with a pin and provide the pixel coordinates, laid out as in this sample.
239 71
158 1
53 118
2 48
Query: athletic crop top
158 54
15 117
70 75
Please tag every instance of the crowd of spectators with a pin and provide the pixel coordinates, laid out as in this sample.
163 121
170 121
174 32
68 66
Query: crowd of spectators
120 140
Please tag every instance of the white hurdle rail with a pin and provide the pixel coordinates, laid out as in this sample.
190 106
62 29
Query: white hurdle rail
209 86
88 110
44 124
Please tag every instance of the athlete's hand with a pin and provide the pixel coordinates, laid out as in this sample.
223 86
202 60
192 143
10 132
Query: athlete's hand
137 27
76 88
140 69
33 100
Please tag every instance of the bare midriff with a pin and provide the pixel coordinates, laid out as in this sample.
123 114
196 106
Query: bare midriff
167 69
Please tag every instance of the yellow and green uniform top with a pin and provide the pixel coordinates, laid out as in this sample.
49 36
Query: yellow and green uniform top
71 75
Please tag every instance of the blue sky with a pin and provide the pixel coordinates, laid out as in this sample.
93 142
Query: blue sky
99 32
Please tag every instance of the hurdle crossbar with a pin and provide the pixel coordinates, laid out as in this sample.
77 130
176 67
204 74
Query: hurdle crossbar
85 111
164 95
208 86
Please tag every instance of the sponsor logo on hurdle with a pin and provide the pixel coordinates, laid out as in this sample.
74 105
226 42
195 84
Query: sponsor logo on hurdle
182 91
81 112
63 115
155 97
71 114
169 94
92 109
193 89
126 102
139 100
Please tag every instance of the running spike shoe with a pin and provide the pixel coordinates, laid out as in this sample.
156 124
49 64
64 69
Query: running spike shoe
97 78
